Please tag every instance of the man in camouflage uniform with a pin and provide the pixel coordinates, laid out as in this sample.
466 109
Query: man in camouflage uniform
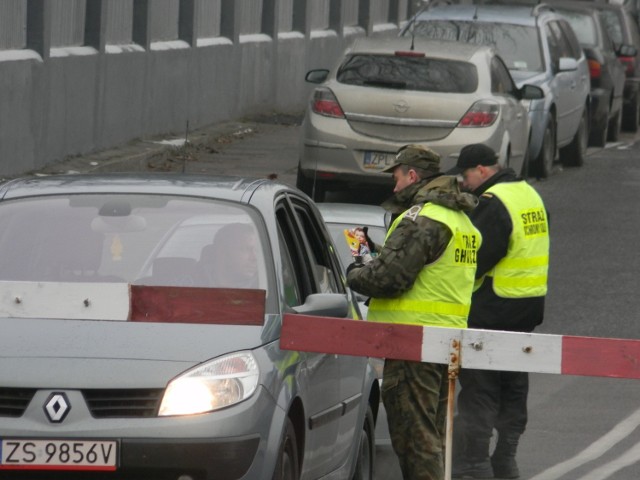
423 275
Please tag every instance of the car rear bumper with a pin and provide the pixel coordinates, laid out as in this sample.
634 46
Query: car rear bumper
336 152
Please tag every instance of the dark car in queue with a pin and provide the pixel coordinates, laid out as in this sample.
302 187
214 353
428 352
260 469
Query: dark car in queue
623 30
606 71
141 317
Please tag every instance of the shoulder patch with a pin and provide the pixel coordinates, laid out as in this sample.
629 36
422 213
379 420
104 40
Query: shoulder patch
413 212
487 195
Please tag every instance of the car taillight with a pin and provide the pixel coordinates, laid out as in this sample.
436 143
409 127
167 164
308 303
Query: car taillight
595 69
325 103
629 65
481 114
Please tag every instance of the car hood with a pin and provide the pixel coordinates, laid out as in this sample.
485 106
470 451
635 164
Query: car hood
86 354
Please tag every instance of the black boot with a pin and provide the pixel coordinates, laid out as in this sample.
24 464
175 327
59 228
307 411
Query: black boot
474 462
503 459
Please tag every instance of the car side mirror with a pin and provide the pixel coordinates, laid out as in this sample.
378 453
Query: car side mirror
531 92
627 51
567 64
316 76
325 304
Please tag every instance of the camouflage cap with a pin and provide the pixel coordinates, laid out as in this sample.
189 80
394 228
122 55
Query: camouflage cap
416 156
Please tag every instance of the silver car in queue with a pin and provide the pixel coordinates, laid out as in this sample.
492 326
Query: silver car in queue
141 319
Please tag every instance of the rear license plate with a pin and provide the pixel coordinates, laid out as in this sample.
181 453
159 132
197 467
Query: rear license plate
31 454
378 160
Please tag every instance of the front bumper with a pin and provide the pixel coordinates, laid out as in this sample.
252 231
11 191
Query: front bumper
226 444
226 459
187 459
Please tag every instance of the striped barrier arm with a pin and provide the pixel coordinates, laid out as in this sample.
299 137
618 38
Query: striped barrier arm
479 349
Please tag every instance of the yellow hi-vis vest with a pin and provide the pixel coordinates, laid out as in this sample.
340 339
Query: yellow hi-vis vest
441 294
523 271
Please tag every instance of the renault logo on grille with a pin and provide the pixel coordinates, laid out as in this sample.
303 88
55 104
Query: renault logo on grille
57 407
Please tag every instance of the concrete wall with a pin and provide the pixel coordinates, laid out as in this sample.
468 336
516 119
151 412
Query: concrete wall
83 75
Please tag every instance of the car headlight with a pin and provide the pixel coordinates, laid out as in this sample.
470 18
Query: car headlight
212 385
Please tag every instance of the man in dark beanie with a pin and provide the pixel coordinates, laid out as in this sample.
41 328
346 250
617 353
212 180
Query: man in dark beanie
512 283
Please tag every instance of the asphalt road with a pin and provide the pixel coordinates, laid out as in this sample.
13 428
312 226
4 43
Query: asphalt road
579 427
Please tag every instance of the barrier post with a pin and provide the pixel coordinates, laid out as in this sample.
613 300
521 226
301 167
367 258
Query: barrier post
454 370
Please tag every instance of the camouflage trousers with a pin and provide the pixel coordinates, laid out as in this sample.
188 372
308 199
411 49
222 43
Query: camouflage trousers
415 399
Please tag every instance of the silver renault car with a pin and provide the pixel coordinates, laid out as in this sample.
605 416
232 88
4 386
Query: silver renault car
387 92
141 317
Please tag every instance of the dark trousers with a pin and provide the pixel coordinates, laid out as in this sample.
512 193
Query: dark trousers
491 399
415 399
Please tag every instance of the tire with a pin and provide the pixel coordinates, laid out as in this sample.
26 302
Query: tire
598 138
366 449
525 171
573 155
544 163
316 192
631 117
615 124
287 467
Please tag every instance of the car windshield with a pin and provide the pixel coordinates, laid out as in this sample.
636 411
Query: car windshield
582 25
409 72
518 45
613 25
138 239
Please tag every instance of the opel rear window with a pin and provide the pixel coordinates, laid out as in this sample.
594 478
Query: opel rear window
409 73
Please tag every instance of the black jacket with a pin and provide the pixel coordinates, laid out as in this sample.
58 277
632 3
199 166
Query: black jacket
488 311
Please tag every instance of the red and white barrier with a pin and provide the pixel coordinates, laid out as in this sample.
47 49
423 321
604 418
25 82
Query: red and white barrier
479 349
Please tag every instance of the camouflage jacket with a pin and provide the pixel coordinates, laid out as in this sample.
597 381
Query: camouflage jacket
414 243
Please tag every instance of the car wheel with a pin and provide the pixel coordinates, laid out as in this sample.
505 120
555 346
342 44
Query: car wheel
366 449
573 155
614 127
287 464
598 137
631 117
547 155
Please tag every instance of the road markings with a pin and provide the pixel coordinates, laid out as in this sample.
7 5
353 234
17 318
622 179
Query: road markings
596 450
630 457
